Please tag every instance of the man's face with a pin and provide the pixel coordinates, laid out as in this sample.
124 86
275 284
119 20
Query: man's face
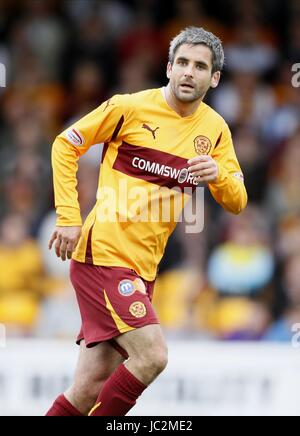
191 73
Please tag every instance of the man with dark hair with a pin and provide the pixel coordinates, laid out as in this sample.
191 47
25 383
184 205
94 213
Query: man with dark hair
159 144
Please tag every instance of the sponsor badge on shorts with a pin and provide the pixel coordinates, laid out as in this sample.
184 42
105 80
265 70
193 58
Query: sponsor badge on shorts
126 288
138 309
75 137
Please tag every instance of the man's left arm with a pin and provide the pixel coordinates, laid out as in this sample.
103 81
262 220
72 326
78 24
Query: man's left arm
222 172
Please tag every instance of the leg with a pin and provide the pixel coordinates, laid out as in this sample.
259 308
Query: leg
114 302
94 366
147 349
147 359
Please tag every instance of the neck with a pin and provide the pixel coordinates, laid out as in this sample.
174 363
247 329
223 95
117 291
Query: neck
182 108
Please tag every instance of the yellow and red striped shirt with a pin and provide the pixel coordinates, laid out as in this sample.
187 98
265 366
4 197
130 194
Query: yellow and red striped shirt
147 146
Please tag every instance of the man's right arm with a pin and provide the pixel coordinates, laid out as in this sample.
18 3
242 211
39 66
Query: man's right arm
94 128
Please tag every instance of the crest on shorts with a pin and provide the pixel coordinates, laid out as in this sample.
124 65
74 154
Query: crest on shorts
202 144
138 309
126 288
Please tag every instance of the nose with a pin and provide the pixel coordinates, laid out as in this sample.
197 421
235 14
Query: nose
189 71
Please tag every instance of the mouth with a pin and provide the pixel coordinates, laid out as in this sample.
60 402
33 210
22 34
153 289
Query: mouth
186 86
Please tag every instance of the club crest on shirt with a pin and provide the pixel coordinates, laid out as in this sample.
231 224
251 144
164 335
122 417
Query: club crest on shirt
138 309
75 137
202 144
128 287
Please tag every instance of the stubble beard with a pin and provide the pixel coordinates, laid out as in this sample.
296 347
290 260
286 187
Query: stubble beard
195 95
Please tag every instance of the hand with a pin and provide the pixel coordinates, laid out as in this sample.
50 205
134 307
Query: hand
66 241
204 168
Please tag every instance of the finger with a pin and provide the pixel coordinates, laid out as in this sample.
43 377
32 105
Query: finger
201 166
57 246
202 158
63 249
72 244
206 179
70 249
52 239
205 172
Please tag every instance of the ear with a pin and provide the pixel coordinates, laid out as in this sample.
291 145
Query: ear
169 70
215 79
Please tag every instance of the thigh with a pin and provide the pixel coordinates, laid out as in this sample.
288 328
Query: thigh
143 340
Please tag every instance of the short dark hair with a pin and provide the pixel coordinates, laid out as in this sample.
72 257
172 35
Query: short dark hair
196 36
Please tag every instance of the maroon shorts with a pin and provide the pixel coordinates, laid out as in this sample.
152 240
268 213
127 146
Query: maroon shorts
112 301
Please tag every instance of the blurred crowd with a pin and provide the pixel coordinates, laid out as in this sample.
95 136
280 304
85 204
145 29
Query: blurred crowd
237 280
